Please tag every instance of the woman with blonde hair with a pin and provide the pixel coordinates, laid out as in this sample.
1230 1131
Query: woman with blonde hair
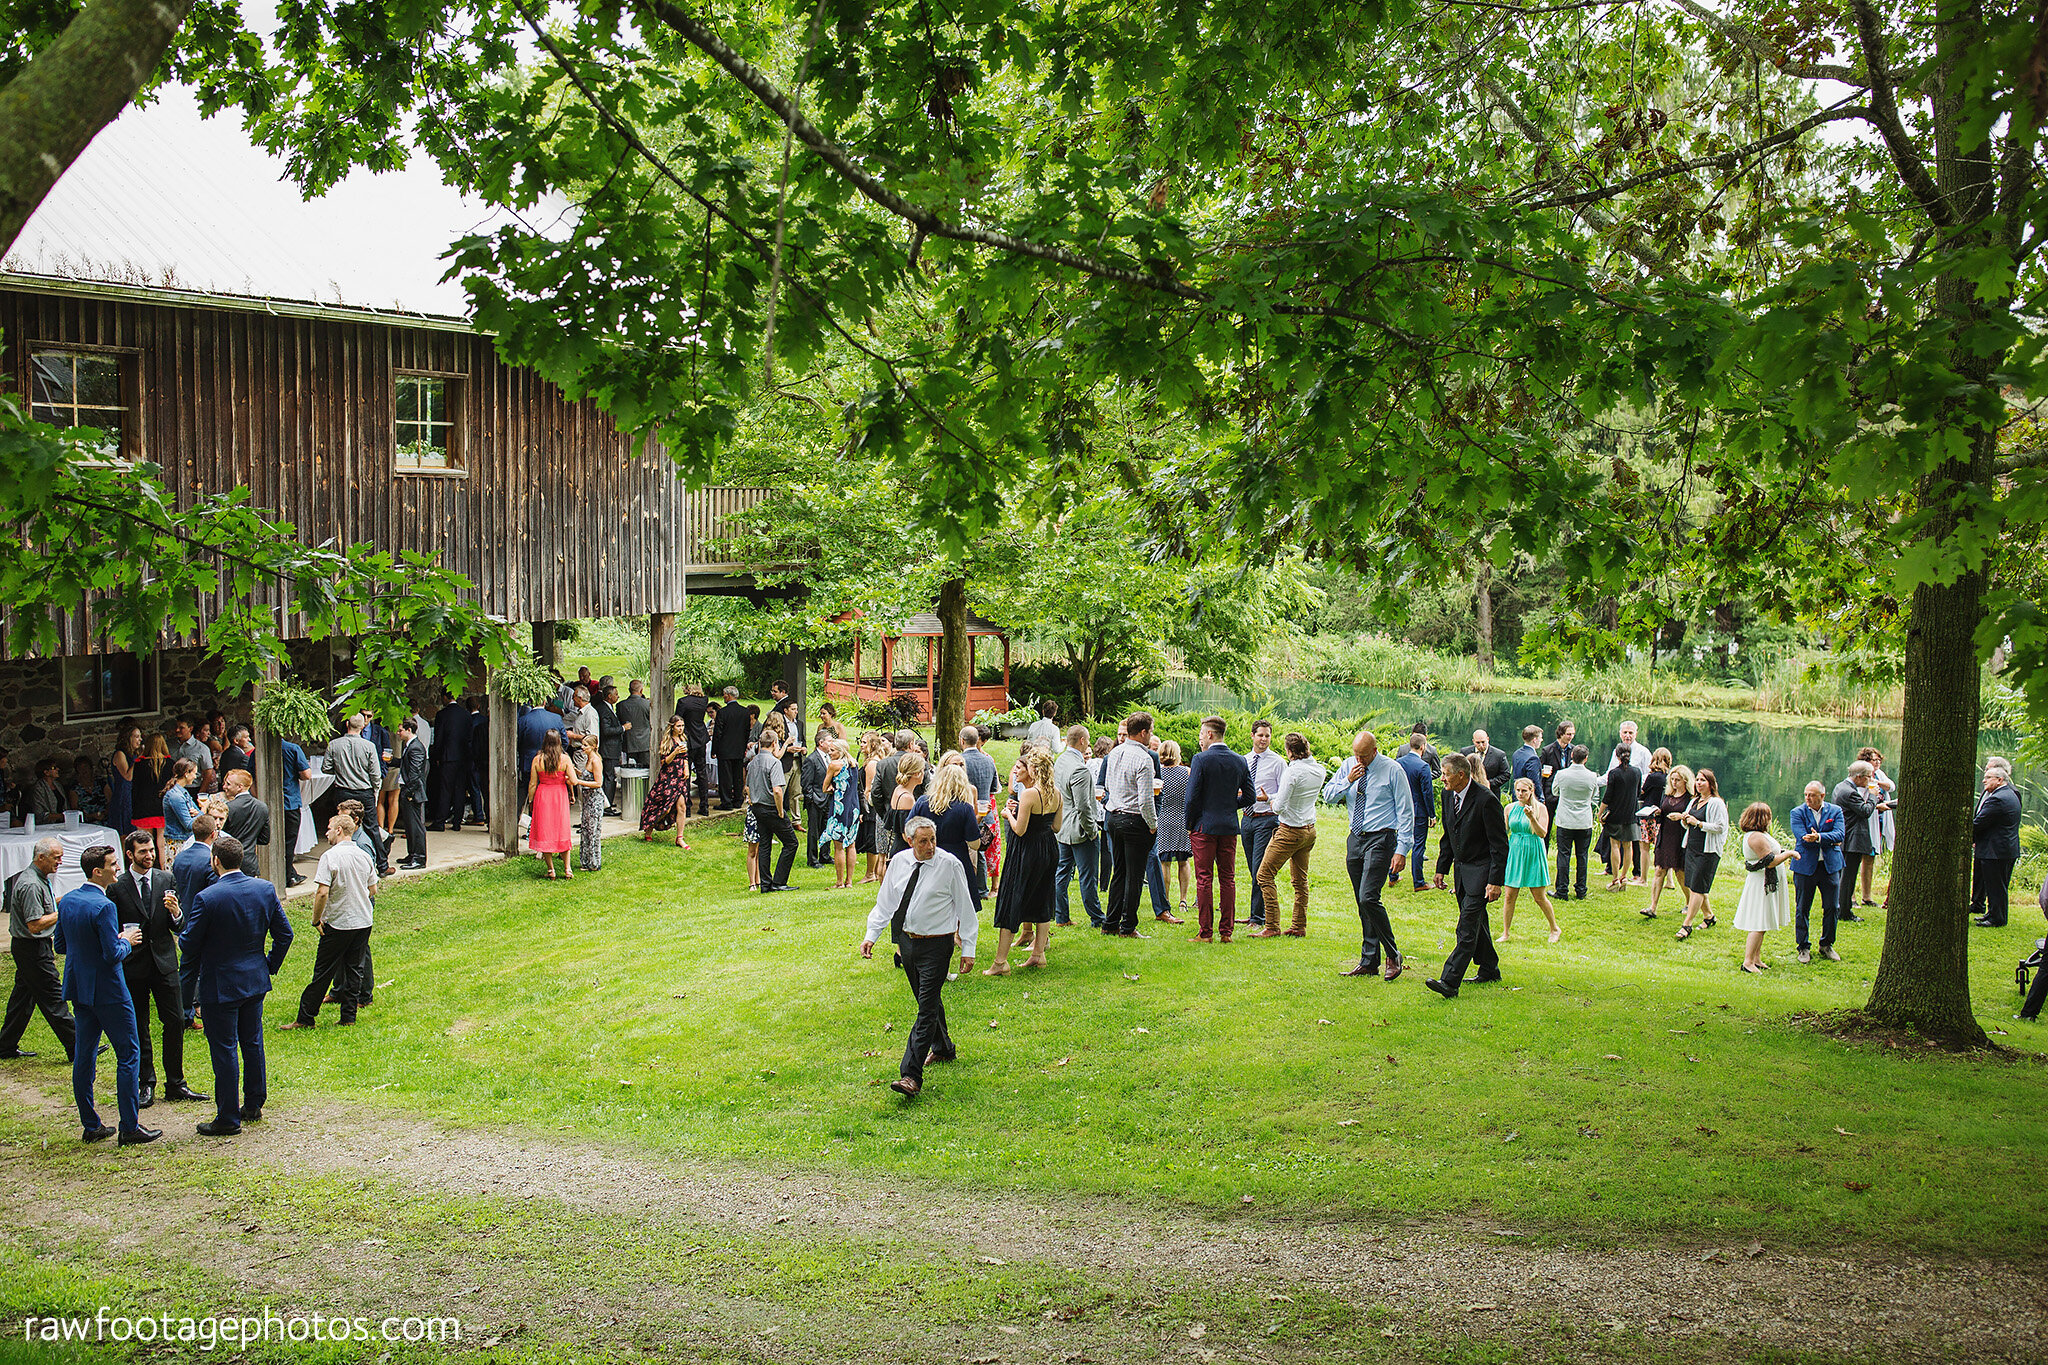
1528 864
1172 845
668 800
949 804
842 810
909 777
1668 847
1024 904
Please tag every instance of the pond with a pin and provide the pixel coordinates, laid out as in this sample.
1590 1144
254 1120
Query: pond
1768 759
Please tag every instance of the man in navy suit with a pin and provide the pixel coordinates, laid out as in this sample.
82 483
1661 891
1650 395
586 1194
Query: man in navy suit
1817 834
1527 761
1219 786
451 765
192 872
1422 790
224 931
1995 835
94 945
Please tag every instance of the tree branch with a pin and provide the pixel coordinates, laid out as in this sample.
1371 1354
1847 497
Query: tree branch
1751 42
926 220
1727 160
1884 116
72 89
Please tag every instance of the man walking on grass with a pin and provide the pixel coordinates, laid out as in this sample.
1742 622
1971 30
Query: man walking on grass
1474 849
925 901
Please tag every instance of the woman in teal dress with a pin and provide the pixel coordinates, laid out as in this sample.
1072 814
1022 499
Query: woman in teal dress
1528 862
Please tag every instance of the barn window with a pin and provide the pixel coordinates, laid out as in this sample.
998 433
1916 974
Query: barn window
90 389
429 439
113 684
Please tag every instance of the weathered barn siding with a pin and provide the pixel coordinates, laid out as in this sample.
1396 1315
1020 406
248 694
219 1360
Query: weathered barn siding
554 517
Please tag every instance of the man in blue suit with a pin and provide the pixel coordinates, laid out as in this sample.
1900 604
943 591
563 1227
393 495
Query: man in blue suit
1527 761
191 873
224 930
1818 829
90 937
1219 786
1422 789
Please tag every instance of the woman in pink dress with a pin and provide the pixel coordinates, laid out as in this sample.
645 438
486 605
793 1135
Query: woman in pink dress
547 794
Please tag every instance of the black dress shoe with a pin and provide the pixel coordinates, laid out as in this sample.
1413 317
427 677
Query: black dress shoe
1482 980
99 1134
1447 992
215 1128
145 1097
1848 917
413 865
437 829
1982 923
179 1092
140 1136
294 880
252 1116
15 1055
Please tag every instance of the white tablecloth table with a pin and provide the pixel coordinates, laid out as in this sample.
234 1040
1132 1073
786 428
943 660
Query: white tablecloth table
310 790
18 850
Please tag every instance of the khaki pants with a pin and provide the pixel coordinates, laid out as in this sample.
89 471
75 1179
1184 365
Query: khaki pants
1290 844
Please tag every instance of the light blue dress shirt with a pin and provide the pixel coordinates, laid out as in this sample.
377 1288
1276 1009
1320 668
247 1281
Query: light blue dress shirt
1380 799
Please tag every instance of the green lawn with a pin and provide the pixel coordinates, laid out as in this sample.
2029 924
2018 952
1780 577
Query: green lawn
1618 1085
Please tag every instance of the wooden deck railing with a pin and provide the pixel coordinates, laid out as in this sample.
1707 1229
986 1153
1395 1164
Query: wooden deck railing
704 525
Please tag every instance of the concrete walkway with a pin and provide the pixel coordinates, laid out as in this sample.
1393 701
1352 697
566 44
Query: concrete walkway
468 847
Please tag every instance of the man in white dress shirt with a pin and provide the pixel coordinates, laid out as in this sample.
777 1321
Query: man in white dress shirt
927 905
1133 822
1260 821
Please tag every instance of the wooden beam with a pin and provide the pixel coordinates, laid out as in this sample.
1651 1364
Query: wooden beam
545 647
274 859
661 688
506 784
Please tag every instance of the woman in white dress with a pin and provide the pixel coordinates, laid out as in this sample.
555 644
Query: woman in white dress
1766 904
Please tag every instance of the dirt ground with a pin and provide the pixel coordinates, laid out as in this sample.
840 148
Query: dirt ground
1698 1301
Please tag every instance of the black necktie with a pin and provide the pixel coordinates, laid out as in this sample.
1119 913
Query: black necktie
903 907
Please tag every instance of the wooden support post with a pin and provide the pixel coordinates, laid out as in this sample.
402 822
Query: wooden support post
274 859
661 687
506 784
546 648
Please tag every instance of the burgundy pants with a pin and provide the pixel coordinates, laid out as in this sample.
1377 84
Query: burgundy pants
1215 859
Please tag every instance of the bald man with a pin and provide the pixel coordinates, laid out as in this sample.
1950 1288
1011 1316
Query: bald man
1382 836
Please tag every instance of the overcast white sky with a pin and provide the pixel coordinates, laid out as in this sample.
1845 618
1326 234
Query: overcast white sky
165 196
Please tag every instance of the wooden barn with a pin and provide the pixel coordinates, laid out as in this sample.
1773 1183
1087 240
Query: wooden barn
404 430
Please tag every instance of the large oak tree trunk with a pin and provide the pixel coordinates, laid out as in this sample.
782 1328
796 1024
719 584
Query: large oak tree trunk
72 89
956 660
1482 599
1923 980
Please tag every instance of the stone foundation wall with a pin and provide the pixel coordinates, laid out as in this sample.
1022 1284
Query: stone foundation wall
32 724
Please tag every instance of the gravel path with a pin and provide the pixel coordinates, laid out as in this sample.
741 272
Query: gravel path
1703 1301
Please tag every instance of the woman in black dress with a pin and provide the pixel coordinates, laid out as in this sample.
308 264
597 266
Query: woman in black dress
1670 851
1621 828
1024 905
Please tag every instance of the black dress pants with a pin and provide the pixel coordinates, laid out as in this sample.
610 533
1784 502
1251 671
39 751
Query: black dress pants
170 1012
339 961
610 755
415 821
1132 839
36 987
925 961
701 772
773 825
1475 928
451 791
1572 843
1990 883
814 821
732 774
1366 855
